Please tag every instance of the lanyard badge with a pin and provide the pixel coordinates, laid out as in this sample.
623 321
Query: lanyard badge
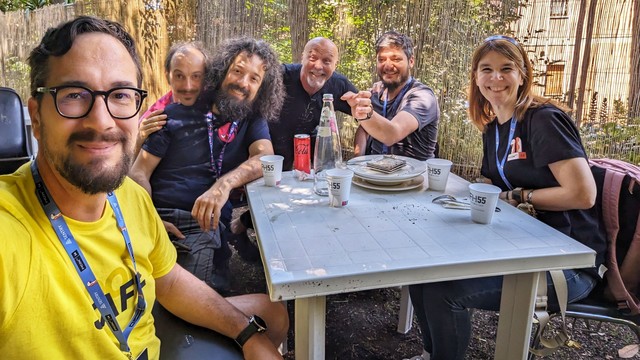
500 163
232 129
394 107
82 266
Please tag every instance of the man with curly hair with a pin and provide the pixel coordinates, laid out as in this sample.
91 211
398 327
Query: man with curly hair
206 150
84 254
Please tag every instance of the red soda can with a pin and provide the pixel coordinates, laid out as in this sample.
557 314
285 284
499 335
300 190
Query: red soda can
301 153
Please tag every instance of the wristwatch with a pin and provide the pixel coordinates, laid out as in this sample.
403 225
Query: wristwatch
256 325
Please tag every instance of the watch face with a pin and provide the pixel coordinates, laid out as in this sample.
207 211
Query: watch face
262 326
256 325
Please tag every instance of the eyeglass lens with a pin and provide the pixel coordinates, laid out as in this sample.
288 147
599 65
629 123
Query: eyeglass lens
77 102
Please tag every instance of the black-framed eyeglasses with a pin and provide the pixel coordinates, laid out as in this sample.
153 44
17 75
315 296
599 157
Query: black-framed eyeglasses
502 37
75 102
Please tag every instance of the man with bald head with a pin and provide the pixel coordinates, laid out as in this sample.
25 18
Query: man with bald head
84 254
305 84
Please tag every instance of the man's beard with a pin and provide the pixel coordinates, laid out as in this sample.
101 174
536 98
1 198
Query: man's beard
393 85
316 82
93 177
229 107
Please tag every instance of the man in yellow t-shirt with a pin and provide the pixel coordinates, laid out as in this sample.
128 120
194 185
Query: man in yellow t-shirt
75 229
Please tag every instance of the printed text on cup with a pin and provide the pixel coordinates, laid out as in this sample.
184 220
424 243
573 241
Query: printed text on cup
433 171
478 199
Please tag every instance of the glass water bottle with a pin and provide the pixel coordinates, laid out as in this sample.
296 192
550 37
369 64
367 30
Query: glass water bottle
327 151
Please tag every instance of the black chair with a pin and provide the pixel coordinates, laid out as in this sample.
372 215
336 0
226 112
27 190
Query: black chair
14 143
594 311
600 310
184 341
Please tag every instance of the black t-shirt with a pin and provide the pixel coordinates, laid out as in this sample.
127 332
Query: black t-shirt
301 112
185 171
545 135
421 102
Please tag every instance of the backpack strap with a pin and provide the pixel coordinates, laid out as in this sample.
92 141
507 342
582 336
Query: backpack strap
630 273
617 288
549 345
629 270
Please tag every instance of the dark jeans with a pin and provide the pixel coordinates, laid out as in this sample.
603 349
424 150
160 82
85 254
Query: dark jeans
442 308
203 253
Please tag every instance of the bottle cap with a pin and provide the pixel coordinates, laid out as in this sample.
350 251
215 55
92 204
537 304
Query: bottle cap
327 97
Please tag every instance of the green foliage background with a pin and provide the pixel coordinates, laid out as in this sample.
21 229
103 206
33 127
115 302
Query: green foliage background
445 32
13 5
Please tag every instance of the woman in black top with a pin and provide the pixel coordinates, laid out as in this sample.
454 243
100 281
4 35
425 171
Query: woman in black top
533 152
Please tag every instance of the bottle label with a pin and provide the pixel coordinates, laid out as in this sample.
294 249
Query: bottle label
324 131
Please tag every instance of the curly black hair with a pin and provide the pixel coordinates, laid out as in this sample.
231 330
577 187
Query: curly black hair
270 96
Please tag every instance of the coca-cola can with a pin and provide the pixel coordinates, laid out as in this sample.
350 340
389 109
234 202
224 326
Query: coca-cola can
301 153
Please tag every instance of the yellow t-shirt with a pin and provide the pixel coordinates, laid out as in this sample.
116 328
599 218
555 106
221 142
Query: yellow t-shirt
45 310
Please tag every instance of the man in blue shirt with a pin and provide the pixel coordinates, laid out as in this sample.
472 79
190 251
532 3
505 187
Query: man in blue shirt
184 67
191 165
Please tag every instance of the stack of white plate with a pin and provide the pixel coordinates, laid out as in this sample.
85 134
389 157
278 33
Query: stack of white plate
408 177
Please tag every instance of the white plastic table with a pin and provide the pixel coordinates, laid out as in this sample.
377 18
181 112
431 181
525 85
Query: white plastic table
385 239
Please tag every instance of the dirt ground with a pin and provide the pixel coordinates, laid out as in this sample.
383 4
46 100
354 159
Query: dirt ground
362 325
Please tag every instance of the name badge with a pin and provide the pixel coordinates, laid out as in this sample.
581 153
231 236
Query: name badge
517 156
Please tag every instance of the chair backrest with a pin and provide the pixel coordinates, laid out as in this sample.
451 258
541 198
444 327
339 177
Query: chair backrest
619 198
14 147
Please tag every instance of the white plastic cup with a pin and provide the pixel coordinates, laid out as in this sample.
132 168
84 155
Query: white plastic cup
339 186
272 169
483 199
438 173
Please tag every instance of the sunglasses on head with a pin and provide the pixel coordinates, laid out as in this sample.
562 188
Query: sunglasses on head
501 37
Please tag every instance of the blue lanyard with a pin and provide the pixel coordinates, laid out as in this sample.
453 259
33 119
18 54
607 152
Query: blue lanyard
82 265
216 166
500 164
385 148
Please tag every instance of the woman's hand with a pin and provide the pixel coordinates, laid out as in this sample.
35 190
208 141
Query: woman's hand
505 196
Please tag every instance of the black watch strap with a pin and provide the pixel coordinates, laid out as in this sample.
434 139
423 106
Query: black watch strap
369 115
256 325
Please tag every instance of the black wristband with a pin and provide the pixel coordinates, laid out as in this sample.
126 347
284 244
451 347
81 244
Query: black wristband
517 195
369 115
256 325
